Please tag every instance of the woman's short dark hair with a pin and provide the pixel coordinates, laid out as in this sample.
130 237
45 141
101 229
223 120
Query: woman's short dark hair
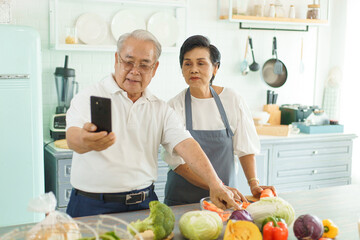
199 41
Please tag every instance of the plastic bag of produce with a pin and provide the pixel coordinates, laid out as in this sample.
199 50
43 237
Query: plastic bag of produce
56 225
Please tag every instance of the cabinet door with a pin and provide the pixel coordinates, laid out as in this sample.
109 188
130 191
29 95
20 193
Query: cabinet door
64 170
63 195
310 161
262 160
306 185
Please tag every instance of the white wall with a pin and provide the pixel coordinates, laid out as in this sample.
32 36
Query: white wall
351 83
91 66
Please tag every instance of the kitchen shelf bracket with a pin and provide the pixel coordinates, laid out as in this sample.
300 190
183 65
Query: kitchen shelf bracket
306 29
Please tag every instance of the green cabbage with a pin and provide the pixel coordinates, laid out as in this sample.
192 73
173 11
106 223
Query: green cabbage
271 207
200 225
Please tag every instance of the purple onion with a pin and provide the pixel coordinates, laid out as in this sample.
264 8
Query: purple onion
308 227
242 215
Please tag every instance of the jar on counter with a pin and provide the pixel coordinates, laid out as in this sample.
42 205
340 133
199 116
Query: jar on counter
313 11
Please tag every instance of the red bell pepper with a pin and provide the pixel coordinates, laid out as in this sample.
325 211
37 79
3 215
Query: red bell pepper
275 230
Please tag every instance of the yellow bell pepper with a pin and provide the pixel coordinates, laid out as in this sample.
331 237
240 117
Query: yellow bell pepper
330 229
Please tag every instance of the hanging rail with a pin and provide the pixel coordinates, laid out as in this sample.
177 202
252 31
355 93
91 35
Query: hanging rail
274 29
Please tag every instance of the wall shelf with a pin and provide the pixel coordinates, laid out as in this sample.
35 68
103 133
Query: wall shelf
64 13
98 48
268 20
226 13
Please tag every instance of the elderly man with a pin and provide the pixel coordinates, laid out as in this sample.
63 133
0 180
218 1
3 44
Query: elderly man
115 172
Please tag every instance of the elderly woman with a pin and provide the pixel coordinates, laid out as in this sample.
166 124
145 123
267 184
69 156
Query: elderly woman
220 122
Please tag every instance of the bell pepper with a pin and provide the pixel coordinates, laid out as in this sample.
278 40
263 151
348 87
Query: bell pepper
270 219
330 229
274 230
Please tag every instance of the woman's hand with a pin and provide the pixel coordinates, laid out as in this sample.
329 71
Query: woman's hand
256 190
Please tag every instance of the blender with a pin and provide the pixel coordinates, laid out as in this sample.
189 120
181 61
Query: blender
66 87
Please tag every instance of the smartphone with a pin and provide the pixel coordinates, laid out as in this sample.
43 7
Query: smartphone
101 113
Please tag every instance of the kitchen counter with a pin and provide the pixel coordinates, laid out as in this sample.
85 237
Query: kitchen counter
266 139
341 204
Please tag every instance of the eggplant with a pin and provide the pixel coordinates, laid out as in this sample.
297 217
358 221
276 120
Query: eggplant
308 227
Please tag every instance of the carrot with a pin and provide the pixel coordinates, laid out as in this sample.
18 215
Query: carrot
211 207
224 216
267 193
245 205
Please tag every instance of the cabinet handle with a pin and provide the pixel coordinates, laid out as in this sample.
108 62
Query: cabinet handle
315 152
314 171
67 170
67 194
14 76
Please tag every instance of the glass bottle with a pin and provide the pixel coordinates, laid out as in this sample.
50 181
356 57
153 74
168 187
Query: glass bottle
240 7
272 11
279 9
259 8
292 11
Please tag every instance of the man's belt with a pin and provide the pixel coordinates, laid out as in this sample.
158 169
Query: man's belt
128 199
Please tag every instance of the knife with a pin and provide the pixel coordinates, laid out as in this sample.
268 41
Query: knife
269 97
274 98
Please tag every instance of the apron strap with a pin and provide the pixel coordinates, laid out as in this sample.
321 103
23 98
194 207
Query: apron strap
222 112
188 112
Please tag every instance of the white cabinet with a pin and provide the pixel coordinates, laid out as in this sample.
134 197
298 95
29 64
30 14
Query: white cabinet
311 162
63 14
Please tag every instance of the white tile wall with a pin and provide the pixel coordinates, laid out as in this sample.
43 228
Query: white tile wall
91 66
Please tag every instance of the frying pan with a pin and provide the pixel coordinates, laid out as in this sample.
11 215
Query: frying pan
267 73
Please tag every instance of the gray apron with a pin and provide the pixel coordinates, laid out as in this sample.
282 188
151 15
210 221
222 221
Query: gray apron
218 146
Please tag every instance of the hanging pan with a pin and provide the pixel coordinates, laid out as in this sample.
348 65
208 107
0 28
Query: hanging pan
272 75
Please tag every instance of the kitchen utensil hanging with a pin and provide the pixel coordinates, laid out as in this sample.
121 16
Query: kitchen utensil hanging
268 75
254 66
278 67
244 66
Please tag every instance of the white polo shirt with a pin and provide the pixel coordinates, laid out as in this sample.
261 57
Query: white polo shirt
140 127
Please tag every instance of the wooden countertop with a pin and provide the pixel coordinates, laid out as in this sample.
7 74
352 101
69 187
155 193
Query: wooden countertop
340 204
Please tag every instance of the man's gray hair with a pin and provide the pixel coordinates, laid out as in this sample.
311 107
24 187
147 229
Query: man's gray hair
140 35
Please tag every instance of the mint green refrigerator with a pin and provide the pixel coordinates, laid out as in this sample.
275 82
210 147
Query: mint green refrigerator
21 135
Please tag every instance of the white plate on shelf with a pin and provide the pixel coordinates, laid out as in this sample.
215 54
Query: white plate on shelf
165 28
126 21
91 28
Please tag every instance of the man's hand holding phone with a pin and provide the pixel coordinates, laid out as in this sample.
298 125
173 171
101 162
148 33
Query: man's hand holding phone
96 141
98 134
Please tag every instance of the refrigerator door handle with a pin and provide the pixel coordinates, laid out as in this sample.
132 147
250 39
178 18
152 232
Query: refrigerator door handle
14 76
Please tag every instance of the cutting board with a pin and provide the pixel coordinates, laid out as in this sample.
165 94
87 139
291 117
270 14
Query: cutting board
251 198
273 130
